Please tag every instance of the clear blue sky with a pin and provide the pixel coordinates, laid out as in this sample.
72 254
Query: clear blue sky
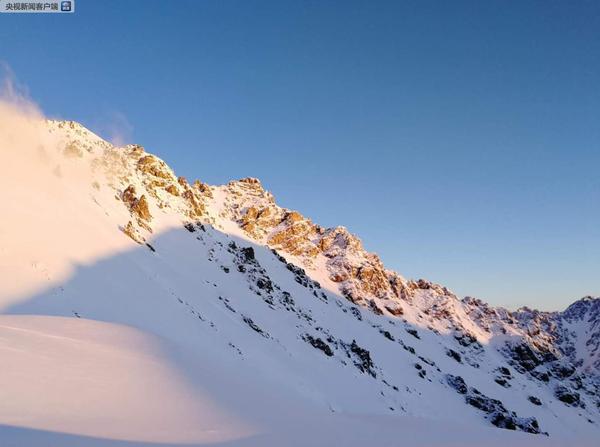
460 140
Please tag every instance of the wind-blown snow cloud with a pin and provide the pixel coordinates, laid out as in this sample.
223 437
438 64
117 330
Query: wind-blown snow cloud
45 196
24 143
116 128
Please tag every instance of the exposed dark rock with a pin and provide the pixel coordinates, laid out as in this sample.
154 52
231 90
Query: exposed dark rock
499 416
375 308
453 354
427 361
362 358
413 332
501 420
562 371
264 284
504 371
524 356
458 383
319 344
356 312
423 284
541 375
528 425
396 311
567 396
253 325
465 339
387 334
248 253
287 301
502 382
486 404
408 348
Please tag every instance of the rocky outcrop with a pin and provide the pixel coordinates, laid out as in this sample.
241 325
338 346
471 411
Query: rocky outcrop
494 409
319 344
154 167
173 190
140 209
361 276
203 189
196 207
294 235
138 206
131 230
568 396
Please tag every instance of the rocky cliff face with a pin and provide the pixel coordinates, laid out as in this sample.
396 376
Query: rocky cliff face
360 276
564 345
558 352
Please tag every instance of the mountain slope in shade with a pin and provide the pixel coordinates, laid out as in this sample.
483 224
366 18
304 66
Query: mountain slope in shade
124 286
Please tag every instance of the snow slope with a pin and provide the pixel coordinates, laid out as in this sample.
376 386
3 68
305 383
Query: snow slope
103 380
137 309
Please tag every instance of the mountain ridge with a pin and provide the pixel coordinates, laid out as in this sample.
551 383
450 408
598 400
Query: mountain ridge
360 276
264 282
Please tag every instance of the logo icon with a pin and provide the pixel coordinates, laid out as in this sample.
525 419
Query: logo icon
65 6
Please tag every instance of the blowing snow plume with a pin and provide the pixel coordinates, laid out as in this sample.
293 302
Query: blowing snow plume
45 189
26 148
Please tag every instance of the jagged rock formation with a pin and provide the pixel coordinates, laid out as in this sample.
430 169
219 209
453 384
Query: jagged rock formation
537 343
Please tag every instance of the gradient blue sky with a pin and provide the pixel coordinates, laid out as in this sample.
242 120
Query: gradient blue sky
460 140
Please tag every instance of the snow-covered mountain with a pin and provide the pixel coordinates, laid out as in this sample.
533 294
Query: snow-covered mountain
138 307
